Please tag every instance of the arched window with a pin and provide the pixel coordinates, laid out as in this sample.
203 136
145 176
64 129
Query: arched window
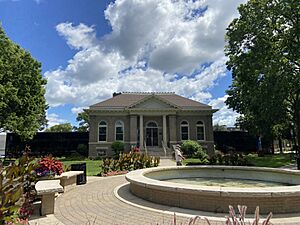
184 130
151 125
119 129
200 131
102 131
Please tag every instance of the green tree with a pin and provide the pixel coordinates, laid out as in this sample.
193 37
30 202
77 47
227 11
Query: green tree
64 127
218 127
83 120
263 50
22 101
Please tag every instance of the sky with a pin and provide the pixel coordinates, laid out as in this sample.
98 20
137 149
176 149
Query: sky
90 49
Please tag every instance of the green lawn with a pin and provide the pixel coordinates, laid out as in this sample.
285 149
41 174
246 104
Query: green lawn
92 166
273 161
191 161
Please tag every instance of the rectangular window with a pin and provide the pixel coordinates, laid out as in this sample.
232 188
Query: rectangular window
102 133
119 133
184 133
200 133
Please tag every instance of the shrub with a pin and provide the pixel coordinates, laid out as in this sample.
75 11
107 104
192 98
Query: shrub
232 159
212 160
194 149
189 147
117 147
49 166
82 149
219 157
200 154
75 156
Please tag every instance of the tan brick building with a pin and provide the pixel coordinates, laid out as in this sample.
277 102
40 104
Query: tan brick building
154 121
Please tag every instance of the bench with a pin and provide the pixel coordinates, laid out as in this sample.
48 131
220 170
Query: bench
68 179
47 189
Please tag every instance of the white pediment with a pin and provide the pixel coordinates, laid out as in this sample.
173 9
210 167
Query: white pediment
152 103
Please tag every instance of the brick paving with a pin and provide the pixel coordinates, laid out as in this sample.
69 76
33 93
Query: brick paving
95 203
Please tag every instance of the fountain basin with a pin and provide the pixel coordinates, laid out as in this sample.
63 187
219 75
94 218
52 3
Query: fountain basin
150 185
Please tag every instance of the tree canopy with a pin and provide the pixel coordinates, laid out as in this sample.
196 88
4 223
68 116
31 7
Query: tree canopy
64 127
83 119
263 50
22 101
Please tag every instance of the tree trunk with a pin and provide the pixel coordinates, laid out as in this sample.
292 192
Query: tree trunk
297 133
297 138
280 145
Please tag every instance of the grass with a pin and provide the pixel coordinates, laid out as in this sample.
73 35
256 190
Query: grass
92 166
191 161
273 161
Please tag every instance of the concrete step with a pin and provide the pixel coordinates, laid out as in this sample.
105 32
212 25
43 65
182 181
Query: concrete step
157 151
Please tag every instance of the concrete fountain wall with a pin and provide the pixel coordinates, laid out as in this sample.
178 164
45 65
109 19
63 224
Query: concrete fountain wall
149 185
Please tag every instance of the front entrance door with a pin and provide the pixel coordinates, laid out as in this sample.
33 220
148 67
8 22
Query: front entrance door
151 134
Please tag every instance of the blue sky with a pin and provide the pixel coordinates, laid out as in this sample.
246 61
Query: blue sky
89 49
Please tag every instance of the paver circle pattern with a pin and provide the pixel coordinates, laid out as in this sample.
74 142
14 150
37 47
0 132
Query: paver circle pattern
95 203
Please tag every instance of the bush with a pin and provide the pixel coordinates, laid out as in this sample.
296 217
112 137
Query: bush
117 147
194 149
229 159
75 156
189 148
202 156
82 149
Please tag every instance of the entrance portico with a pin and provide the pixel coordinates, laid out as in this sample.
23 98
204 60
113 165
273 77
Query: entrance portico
153 129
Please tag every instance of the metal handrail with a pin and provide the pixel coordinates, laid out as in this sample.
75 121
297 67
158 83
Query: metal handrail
164 147
145 147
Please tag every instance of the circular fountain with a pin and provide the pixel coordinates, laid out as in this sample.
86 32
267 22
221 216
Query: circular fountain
214 188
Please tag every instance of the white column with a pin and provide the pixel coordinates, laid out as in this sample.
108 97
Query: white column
141 132
165 129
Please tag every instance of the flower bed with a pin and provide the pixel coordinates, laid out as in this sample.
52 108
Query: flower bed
127 162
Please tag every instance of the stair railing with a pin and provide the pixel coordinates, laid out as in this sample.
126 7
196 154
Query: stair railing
145 147
164 147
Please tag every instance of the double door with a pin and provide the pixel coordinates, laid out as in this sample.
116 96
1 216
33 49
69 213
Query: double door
152 136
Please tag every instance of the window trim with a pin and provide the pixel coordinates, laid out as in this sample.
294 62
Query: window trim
123 134
184 125
200 125
106 130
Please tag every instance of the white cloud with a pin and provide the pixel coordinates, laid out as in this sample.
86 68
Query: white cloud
154 45
224 116
53 119
76 110
77 37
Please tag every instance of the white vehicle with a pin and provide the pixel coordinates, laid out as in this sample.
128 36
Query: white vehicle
2 144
